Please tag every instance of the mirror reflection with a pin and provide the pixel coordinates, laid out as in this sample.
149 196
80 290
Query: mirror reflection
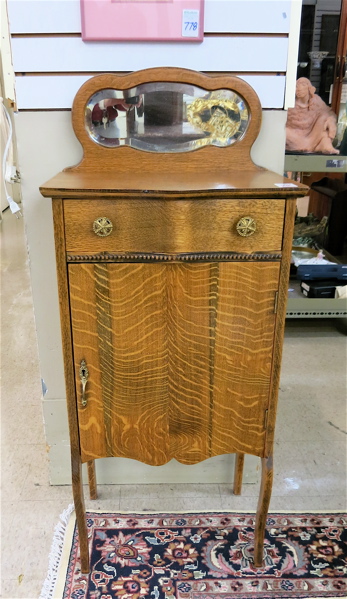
166 117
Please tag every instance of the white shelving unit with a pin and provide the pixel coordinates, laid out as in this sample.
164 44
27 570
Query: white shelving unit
299 306
315 163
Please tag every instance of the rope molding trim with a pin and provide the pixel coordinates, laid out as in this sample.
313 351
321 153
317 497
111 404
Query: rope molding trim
196 257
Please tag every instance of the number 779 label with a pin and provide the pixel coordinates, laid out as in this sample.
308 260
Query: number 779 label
190 23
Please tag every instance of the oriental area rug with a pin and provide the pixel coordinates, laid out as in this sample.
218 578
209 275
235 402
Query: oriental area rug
205 556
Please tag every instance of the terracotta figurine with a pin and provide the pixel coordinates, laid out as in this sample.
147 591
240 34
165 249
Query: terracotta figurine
311 124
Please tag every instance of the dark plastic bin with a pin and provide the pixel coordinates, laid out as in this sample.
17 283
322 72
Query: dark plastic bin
337 219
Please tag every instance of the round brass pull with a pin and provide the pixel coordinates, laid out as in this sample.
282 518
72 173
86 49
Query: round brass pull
102 226
246 226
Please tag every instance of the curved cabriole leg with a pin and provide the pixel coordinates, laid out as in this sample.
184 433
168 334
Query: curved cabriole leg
263 507
239 461
77 490
93 492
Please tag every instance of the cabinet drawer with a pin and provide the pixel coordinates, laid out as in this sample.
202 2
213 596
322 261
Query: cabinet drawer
172 226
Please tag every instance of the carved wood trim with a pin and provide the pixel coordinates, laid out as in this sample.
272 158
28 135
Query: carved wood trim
196 257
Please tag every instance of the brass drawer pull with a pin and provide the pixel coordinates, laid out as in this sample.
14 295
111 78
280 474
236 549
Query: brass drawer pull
246 226
84 374
102 226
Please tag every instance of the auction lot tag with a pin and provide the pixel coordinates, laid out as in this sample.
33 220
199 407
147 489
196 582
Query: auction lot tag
285 185
190 23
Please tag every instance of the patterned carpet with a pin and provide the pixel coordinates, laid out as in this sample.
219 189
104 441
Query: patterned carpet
209 556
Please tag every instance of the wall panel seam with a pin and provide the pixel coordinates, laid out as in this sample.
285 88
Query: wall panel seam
92 73
208 34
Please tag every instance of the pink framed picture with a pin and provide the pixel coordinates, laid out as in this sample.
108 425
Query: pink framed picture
160 20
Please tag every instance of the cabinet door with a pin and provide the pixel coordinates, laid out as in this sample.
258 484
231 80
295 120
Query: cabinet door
179 357
118 324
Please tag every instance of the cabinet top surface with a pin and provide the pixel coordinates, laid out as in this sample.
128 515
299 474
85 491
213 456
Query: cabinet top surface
219 183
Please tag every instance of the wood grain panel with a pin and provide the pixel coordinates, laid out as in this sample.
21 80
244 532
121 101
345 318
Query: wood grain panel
243 356
179 356
118 317
192 295
86 347
156 181
173 226
280 323
67 346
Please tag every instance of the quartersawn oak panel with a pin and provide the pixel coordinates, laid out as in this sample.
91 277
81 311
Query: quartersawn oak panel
179 360
245 325
190 330
173 226
231 352
118 328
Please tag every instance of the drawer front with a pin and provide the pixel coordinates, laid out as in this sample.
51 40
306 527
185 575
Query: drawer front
172 226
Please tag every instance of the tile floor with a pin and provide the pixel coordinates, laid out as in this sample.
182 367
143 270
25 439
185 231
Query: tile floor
310 452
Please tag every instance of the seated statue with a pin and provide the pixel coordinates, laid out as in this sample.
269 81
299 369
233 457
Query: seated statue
311 124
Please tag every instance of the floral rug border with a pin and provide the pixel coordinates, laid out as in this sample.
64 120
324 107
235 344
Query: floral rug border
215 591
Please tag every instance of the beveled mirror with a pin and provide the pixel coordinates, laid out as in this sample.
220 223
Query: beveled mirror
166 117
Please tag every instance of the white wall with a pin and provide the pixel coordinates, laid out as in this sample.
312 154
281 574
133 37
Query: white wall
49 70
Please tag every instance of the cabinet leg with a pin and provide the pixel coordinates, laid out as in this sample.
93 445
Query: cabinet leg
239 461
77 490
263 507
93 491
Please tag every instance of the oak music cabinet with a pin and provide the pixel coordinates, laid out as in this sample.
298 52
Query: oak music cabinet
173 253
